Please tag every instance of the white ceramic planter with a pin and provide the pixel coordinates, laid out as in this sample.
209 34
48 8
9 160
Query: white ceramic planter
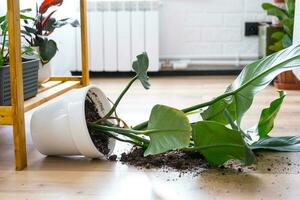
45 73
59 127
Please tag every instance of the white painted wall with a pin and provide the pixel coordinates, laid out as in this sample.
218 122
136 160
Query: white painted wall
208 27
65 58
297 32
2 7
297 23
187 28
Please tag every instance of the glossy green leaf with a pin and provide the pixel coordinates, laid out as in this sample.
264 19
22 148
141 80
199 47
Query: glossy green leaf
277 46
275 11
2 19
168 129
48 49
285 144
278 35
268 115
218 144
49 25
286 41
267 118
290 7
140 66
252 79
288 26
25 17
30 30
63 22
26 10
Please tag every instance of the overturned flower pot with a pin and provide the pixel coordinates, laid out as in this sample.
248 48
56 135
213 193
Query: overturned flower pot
60 127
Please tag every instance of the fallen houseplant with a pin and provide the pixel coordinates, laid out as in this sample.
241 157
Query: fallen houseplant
30 67
281 38
37 31
218 136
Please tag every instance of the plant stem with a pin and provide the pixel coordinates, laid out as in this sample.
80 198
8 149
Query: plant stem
190 109
196 149
123 140
122 131
112 110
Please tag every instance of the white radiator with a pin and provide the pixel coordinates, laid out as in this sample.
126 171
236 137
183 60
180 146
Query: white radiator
118 31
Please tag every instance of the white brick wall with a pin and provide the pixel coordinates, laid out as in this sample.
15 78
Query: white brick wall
208 27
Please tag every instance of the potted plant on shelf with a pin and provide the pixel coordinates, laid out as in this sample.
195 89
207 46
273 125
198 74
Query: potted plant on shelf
37 33
281 38
30 67
218 136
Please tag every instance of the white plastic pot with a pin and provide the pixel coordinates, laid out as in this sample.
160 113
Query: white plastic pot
59 127
45 73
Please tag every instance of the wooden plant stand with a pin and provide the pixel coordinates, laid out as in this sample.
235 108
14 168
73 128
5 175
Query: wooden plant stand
14 115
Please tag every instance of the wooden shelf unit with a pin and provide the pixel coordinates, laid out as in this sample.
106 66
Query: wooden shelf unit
14 115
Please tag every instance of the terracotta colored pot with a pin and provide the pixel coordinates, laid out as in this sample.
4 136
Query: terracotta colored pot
278 1
287 81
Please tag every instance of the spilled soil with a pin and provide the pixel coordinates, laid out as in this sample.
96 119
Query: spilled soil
100 140
184 162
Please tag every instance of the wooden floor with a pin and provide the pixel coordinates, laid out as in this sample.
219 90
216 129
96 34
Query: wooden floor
81 178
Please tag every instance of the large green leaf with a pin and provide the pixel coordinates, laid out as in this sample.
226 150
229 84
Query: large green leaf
285 144
278 35
168 129
48 49
51 24
2 19
26 10
286 41
25 17
253 78
288 26
277 46
140 66
219 144
290 7
268 115
30 30
275 11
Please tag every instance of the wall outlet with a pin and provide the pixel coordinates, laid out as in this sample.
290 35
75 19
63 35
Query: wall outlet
251 28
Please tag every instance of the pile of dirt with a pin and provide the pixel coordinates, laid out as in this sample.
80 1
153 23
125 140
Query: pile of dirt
99 139
182 161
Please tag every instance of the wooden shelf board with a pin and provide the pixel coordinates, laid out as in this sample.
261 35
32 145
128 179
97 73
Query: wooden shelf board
54 90
6 115
48 85
66 78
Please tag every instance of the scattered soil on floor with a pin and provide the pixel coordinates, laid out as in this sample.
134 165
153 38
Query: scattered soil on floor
178 160
100 140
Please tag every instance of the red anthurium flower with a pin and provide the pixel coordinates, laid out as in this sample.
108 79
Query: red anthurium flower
47 4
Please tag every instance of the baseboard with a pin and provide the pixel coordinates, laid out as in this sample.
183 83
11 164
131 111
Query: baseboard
165 73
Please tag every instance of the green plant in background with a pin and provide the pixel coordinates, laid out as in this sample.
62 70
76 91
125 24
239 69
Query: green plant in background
285 16
4 52
36 31
219 136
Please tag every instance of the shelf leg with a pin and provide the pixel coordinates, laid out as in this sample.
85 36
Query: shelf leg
84 43
16 81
